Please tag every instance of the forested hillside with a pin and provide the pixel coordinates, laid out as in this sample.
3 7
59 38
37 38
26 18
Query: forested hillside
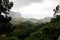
29 31
50 31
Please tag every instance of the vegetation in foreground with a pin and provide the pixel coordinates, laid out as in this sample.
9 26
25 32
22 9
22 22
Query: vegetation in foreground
28 31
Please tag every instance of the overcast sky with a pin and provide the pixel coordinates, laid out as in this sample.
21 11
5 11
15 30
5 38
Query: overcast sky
35 8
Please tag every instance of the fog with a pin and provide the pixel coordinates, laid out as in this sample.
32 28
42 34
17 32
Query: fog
35 8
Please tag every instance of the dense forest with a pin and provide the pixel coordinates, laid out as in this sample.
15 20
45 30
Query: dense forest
27 30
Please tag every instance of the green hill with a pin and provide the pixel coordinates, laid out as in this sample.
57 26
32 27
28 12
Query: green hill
29 31
50 31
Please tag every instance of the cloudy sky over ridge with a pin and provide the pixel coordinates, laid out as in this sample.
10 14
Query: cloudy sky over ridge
35 8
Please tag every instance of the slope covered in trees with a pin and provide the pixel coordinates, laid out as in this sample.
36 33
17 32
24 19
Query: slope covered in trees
27 30
50 31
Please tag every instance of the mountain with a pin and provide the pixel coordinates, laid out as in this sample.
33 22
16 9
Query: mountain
16 17
46 19
48 31
33 20
15 14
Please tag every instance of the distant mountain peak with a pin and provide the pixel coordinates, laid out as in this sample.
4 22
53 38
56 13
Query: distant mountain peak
15 14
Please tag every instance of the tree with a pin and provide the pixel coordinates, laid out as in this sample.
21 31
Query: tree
56 9
5 25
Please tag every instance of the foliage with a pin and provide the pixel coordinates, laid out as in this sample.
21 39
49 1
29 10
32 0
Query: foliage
50 31
26 30
29 31
5 25
10 38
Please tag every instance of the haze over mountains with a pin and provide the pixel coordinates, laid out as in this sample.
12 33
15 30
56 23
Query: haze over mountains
16 16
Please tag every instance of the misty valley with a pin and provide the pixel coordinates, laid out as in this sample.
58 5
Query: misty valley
15 27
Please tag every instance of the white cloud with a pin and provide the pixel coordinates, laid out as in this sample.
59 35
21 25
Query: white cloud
21 3
33 8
